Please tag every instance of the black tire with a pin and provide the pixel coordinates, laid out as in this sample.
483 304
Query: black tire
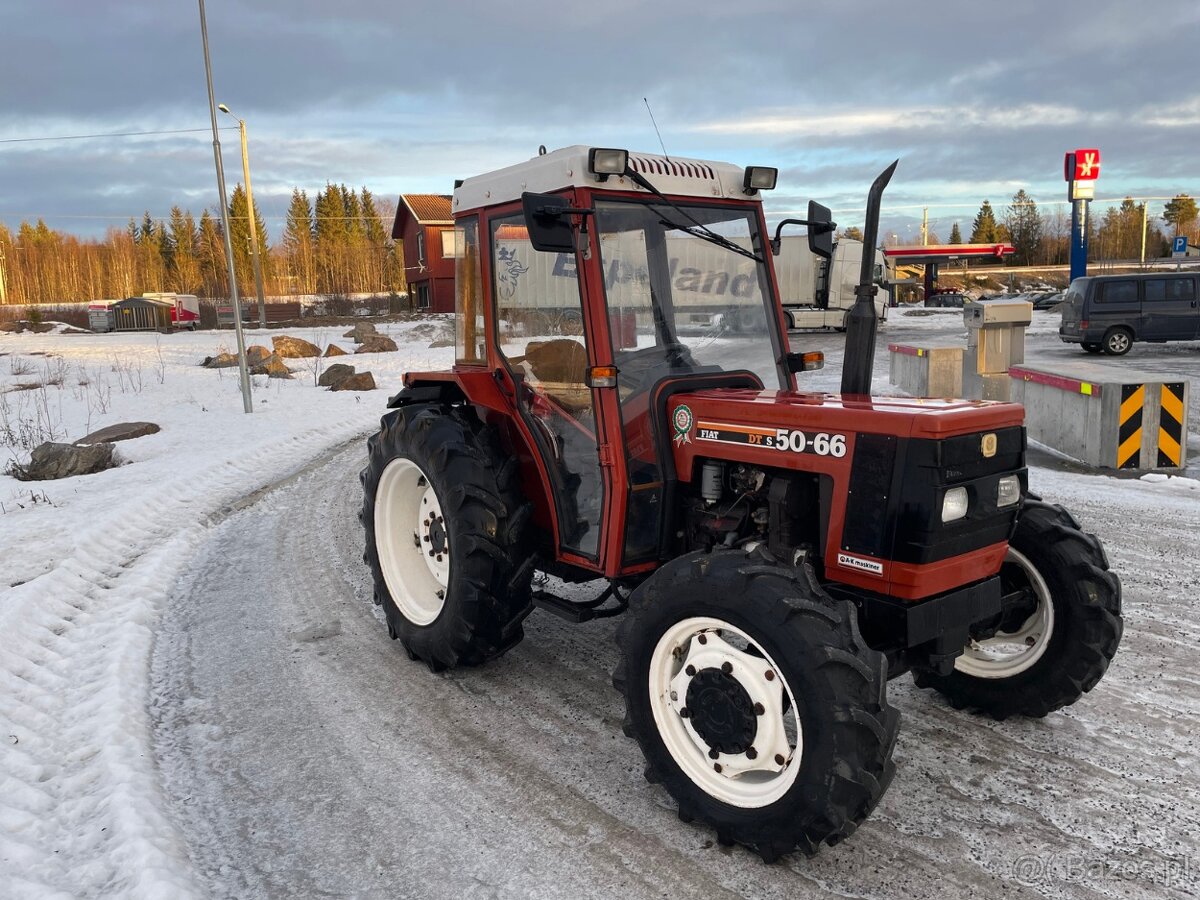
488 592
1087 624
839 685
1117 341
1090 347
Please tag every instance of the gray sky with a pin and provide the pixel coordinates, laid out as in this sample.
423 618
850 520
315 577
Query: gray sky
976 99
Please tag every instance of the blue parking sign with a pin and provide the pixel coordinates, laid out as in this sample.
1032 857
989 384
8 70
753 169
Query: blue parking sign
1179 247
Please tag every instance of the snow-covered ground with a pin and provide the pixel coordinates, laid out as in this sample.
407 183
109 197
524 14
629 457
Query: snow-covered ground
196 696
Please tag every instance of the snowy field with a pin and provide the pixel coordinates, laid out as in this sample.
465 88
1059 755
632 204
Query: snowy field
197 697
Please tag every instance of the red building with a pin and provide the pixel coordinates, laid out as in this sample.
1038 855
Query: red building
425 225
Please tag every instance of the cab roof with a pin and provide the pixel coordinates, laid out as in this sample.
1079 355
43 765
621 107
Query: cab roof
568 167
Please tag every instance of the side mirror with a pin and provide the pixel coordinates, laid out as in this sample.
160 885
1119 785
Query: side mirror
820 229
547 218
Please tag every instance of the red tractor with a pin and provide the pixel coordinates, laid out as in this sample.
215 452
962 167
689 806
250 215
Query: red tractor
624 406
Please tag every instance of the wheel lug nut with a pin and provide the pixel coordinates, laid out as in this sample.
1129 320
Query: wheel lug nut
684 713
702 639
690 670
751 753
779 760
727 667
425 539
717 768
759 709
770 676
441 595
714 753
1030 641
674 695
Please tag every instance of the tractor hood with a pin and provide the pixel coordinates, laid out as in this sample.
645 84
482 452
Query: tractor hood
757 415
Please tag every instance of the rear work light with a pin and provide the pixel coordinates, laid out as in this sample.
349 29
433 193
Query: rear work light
759 178
603 161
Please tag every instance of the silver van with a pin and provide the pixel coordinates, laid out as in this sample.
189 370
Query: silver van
1107 313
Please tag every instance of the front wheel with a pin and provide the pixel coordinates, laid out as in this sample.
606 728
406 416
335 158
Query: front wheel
443 517
1054 643
756 702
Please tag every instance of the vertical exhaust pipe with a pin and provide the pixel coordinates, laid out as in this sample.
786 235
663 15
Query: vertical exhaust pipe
858 363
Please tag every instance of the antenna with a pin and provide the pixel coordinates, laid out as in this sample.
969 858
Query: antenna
656 131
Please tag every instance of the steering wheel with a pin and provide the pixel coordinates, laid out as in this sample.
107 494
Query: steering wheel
639 369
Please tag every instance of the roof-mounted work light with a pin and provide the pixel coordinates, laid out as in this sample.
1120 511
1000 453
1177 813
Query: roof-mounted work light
759 178
603 162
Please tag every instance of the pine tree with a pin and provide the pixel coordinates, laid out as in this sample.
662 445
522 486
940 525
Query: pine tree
376 248
983 231
298 244
1181 213
955 234
211 251
1024 227
183 270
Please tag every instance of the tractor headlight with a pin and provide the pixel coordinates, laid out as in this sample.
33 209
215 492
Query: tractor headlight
1008 491
954 504
759 178
603 161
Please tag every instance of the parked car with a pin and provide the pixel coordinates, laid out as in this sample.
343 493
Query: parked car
1047 300
1108 313
947 298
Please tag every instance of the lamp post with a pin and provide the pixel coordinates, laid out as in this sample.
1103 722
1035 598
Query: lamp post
258 281
243 371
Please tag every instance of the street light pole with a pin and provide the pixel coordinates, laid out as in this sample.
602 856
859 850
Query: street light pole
254 257
243 371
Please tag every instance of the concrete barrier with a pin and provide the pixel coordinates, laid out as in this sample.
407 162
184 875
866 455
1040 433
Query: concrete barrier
1111 419
926 371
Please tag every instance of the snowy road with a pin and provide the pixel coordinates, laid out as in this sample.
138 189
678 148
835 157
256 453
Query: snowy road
303 754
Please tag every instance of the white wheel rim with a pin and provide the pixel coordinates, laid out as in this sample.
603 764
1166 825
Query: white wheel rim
412 541
1118 342
767 769
1011 653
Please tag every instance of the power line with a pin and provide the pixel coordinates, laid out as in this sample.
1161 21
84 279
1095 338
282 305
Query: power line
80 137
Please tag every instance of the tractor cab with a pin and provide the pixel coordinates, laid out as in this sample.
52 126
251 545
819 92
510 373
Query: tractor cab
603 286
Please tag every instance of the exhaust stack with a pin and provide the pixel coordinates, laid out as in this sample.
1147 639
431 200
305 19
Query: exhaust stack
859 362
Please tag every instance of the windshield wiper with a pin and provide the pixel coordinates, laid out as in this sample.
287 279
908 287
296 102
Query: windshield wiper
705 233
711 236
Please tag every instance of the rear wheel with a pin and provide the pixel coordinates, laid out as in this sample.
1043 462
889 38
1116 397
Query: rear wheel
1056 643
1118 341
756 702
443 518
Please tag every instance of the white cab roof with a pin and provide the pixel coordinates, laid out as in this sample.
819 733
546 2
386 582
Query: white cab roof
568 167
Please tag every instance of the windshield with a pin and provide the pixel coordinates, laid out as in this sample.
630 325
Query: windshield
687 290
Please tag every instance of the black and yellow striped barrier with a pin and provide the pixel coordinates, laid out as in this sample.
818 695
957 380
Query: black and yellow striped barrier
1129 425
1172 418
1136 423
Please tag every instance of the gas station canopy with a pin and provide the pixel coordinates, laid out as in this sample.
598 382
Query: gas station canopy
944 253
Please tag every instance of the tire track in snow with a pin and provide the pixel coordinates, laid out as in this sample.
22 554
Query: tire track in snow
81 808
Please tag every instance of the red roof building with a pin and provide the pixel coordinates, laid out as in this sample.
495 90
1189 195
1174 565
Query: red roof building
425 225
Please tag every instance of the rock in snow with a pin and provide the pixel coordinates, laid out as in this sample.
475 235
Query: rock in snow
293 347
334 374
126 431
51 461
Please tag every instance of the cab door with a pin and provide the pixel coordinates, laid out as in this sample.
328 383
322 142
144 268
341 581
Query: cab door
541 335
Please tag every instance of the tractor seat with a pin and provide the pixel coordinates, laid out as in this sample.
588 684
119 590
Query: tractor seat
558 367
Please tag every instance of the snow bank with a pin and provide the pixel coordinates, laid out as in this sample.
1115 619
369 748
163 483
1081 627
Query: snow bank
85 565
